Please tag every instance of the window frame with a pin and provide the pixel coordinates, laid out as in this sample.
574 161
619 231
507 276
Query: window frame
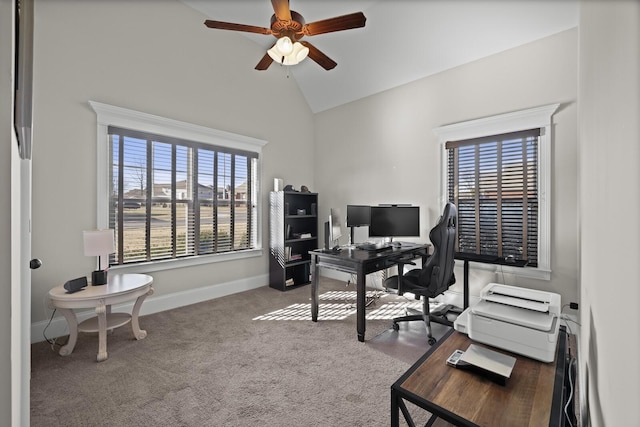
109 115
538 117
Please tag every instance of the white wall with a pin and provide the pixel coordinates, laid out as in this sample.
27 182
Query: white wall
157 59
382 149
609 153
6 131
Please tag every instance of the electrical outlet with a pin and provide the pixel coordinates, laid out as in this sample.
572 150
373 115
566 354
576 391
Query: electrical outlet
573 305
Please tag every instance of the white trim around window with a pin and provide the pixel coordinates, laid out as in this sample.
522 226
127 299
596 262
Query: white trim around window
538 117
109 115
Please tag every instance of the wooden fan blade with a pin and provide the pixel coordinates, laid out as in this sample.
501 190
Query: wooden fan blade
264 62
339 23
219 25
323 60
281 9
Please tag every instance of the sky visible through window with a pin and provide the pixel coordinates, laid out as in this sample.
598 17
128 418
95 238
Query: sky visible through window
135 164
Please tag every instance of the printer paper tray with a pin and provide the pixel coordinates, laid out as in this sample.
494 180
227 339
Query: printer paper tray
518 316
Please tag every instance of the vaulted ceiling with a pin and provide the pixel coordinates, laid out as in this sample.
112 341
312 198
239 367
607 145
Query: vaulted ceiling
402 41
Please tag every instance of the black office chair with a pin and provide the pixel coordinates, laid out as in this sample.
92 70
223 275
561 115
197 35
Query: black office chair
435 276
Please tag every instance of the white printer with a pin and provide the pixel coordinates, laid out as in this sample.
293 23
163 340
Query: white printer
520 320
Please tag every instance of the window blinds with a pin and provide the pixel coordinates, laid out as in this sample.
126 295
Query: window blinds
172 198
493 181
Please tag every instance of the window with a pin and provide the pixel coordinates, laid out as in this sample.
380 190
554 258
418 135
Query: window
497 171
175 191
493 182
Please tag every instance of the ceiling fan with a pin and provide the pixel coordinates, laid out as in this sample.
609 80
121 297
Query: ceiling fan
289 27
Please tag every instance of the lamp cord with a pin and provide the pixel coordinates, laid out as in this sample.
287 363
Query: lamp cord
52 342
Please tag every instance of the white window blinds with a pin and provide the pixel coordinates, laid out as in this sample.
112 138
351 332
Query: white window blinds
171 198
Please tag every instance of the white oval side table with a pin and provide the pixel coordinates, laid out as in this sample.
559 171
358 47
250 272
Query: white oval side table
119 288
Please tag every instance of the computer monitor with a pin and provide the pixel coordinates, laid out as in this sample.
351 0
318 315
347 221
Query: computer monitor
395 221
335 227
358 215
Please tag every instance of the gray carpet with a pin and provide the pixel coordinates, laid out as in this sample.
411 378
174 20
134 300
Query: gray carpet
212 364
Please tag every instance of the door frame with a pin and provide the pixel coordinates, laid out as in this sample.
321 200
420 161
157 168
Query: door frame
20 291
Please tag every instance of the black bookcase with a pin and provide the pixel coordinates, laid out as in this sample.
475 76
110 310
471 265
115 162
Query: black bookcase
293 220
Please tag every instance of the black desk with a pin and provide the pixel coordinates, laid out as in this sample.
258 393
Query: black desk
360 263
534 395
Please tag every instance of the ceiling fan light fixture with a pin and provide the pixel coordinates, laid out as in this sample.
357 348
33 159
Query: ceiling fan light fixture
298 53
284 45
275 54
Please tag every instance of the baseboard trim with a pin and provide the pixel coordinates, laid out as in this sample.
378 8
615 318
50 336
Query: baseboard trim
153 304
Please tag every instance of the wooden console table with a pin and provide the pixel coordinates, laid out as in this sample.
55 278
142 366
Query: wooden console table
119 288
533 395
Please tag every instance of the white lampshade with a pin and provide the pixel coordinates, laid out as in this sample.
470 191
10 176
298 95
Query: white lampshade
284 45
99 242
275 54
296 53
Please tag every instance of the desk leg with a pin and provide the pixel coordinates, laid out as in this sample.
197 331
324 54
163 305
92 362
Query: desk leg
135 326
101 311
72 323
398 405
465 289
314 288
395 410
360 302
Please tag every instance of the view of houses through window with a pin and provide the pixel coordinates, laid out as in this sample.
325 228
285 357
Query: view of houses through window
171 198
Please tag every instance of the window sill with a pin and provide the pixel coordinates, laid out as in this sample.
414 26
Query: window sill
148 267
527 272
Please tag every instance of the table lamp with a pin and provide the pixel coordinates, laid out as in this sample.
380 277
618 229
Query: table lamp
99 243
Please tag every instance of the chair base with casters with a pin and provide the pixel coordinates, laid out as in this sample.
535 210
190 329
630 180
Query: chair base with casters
427 316
439 315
